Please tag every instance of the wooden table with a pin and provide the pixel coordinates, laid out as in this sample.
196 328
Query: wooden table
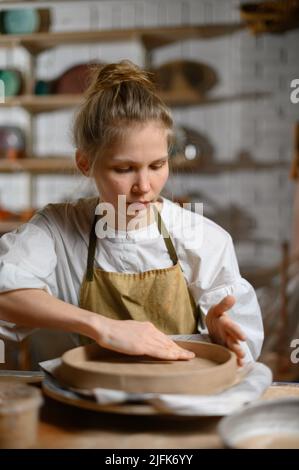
64 427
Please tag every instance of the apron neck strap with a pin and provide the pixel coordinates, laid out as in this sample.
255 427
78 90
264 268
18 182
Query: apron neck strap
91 249
166 237
93 243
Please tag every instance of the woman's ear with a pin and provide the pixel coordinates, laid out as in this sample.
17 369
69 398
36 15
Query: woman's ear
83 163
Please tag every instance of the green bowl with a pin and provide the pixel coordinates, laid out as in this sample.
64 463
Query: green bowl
23 21
43 87
12 82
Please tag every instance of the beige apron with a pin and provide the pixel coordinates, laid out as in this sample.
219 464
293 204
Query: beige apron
160 296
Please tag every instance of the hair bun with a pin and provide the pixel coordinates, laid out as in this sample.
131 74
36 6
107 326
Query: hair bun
112 75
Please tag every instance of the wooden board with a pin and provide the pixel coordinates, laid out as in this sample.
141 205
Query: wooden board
212 370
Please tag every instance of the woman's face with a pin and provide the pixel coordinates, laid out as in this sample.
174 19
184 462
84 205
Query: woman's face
137 168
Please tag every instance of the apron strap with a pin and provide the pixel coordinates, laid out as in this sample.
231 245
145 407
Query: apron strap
93 243
91 250
166 237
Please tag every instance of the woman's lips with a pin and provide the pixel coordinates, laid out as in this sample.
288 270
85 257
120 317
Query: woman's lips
138 205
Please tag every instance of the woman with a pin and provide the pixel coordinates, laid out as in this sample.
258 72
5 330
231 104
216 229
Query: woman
119 268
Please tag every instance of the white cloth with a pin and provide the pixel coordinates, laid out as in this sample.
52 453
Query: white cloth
254 379
50 253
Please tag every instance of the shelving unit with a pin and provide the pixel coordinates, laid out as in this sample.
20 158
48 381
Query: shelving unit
150 38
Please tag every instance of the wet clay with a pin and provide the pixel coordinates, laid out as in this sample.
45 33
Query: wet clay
212 370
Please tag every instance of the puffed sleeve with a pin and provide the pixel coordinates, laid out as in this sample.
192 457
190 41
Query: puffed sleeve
220 277
27 260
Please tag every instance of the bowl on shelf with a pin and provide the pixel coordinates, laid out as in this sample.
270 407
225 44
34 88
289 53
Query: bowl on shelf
73 81
20 21
24 20
12 81
184 79
190 149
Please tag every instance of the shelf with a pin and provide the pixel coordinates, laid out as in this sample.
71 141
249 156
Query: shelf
66 165
38 104
40 165
176 100
215 168
47 103
150 37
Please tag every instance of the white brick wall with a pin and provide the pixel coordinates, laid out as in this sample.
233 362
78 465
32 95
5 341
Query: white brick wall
262 128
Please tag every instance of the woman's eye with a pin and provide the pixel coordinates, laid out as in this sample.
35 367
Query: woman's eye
122 170
129 168
157 167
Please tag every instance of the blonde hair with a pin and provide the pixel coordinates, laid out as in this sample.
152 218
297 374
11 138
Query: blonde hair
120 95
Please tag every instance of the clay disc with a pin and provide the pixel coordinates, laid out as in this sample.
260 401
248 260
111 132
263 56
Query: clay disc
212 370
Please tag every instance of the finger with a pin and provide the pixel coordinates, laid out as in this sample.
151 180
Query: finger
170 354
223 306
158 344
175 350
233 330
235 347
185 354
168 342
239 357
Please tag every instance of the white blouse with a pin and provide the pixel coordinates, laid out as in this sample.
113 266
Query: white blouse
50 253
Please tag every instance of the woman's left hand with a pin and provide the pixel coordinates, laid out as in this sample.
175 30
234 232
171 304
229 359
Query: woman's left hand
223 330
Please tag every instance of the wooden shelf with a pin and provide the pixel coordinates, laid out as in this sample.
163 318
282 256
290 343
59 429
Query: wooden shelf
150 37
176 100
66 165
39 104
218 167
39 165
47 103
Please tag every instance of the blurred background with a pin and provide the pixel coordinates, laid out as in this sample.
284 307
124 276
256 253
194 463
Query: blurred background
225 67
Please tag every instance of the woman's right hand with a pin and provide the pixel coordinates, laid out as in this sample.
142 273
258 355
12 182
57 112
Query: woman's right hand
136 338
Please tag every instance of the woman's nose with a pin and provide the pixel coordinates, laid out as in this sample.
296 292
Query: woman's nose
142 183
